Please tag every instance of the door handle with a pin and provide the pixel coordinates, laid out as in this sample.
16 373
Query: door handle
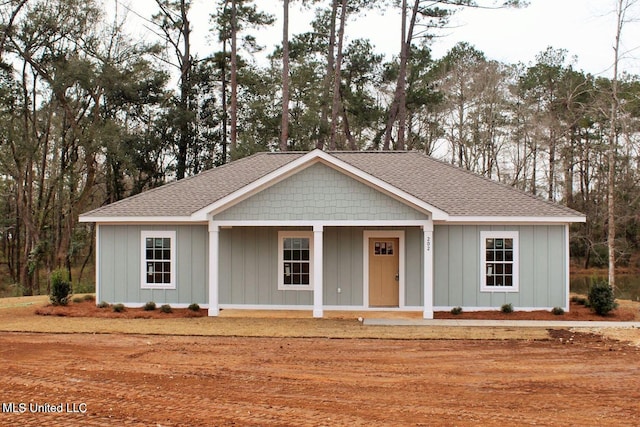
398 277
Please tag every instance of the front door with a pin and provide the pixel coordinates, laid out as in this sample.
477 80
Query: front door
384 261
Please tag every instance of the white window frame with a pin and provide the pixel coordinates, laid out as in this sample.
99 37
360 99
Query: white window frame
484 235
144 235
294 234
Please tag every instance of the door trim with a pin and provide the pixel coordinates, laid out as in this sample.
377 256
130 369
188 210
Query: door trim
366 235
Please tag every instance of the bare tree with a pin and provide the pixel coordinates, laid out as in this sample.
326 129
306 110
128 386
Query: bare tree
622 7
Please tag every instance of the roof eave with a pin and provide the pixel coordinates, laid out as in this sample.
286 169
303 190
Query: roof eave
137 219
516 219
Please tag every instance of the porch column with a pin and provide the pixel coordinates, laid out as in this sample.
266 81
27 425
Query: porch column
318 265
427 229
214 236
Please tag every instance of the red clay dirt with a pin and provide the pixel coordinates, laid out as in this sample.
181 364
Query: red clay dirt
142 380
577 312
163 380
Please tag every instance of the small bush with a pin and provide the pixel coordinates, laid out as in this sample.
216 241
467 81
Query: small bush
507 308
89 297
118 308
558 311
194 307
166 308
61 290
601 299
78 300
103 304
150 306
456 310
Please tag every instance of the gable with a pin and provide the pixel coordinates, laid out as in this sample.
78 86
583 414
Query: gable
319 192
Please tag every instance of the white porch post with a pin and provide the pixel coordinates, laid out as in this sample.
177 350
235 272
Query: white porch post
317 270
427 229
214 236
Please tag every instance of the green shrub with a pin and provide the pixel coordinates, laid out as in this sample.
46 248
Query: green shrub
194 307
507 308
558 311
78 300
150 306
601 299
166 308
118 308
456 310
61 290
89 297
103 304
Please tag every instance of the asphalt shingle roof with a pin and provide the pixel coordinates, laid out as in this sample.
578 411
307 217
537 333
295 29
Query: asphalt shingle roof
448 188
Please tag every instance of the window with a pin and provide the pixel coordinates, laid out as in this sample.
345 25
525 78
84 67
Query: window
382 248
499 252
158 259
295 260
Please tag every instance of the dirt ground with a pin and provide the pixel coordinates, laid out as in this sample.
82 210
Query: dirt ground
244 369
150 380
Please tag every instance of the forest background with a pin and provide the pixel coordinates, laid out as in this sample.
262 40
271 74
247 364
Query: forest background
91 113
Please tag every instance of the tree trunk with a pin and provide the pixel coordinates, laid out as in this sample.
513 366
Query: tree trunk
335 105
621 7
284 132
234 80
326 83
398 106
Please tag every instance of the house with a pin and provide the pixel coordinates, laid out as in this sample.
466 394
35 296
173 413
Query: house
334 231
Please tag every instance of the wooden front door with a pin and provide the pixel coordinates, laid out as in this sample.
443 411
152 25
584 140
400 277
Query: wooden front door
384 261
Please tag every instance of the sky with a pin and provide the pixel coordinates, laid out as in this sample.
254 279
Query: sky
585 28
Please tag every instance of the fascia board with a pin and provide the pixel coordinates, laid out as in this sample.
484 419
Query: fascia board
515 219
137 219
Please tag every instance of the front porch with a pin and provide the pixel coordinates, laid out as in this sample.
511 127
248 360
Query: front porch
247 271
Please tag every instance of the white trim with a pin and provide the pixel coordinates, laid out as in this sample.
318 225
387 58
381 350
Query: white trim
214 271
310 307
567 261
144 234
173 305
316 273
427 262
305 161
139 219
331 223
265 307
312 273
514 219
515 274
369 234
444 308
98 262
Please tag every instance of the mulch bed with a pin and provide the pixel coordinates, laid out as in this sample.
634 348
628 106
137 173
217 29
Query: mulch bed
89 309
577 313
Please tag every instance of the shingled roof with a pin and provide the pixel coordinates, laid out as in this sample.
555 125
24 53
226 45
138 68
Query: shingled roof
455 191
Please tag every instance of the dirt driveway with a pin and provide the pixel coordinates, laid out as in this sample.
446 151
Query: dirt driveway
569 379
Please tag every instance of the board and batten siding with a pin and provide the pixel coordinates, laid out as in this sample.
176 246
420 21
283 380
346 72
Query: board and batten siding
249 267
542 269
120 265
319 193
